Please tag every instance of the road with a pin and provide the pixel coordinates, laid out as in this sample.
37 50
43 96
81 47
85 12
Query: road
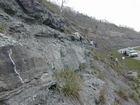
138 58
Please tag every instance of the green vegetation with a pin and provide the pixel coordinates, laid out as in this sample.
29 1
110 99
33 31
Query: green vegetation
101 75
97 55
123 94
96 70
2 28
67 31
69 83
129 63
45 4
136 87
139 75
42 2
138 48
136 99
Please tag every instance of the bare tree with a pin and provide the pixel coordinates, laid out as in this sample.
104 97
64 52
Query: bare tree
61 4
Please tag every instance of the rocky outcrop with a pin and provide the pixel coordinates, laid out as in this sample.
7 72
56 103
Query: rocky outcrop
33 63
33 9
132 75
28 69
32 53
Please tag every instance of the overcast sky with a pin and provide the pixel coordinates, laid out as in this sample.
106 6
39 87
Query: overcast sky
119 12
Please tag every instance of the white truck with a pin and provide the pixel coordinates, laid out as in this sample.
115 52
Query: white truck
133 53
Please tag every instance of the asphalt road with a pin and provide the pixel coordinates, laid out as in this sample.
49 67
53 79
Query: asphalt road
138 58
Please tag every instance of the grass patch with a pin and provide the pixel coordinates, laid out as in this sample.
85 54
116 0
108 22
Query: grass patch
69 83
45 4
129 63
3 29
96 70
97 55
138 48
136 87
136 99
123 94
67 31
139 75
102 97
101 75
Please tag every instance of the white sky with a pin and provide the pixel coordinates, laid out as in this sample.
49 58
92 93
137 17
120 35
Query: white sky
119 12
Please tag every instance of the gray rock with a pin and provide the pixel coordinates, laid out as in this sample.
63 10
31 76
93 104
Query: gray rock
131 75
31 53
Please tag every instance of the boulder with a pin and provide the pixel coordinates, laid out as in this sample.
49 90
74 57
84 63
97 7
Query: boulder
131 75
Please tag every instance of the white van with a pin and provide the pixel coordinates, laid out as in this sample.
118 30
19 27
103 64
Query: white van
133 53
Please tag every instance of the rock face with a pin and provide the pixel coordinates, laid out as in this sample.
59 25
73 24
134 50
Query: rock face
31 54
131 75
34 10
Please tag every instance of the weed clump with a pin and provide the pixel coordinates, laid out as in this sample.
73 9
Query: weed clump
2 28
69 83
45 3
123 94
67 31
102 97
136 99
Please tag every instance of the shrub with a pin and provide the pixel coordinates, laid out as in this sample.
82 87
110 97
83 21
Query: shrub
69 84
102 97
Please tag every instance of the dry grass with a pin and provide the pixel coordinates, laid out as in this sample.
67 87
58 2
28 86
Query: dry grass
101 75
69 84
45 4
102 97
136 99
123 94
97 55
3 29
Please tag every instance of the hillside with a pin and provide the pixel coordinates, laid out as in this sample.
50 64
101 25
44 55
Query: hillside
102 30
43 63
